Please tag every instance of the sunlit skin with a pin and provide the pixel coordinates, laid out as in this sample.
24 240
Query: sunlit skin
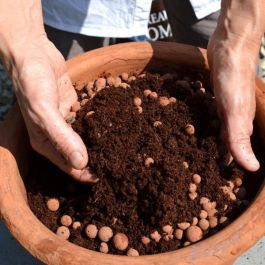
45 93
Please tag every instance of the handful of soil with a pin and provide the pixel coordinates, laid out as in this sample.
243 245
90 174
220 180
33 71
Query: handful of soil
153 143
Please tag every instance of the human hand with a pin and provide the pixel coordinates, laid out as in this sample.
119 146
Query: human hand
233 63
45 95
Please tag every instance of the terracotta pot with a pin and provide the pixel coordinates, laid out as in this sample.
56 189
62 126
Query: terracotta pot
222 248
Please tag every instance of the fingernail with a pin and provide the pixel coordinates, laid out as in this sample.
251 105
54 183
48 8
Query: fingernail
254 163
87 176
76 159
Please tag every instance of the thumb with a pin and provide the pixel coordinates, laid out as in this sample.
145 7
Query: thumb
67 142
237 136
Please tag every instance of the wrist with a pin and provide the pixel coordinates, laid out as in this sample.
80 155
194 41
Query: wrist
242 22
19 27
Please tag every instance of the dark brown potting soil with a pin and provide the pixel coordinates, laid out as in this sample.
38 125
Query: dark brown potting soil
131 197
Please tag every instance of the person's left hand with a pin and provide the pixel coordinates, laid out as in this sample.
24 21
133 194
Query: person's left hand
233 65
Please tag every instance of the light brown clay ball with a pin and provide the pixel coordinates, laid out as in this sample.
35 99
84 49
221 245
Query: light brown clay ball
204 200
164 101
131 78
132 252
157 124
153 95
90 85
203 214
207 206
223 219
167 229
230 184
76 106
117 82
140 109
124 76
105 233
100 83
90 92
145 240
124 85
168 237
63 232
120 241
204 224
172 100
53 204
189 129
110 81
84 102
142 75
185 164
232 196
155 236
149 161
90 113
196 179
178 234
192 187
137 101
76 225
66 220
238 182
187 243
193 195
92 231
212 212
184 225
194 221
194 233
213 221
147 92
104 248
83 95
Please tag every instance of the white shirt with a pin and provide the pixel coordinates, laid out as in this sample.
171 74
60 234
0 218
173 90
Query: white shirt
108 18
203 8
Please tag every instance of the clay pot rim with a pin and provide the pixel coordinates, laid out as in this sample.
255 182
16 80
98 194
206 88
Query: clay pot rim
249 226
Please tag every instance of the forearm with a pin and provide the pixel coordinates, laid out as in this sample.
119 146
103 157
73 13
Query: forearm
20 20
242 22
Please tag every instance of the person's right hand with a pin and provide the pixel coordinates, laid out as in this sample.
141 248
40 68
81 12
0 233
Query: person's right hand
45 95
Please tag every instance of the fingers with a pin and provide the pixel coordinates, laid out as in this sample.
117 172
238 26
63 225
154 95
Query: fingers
65 140
46 149
237 135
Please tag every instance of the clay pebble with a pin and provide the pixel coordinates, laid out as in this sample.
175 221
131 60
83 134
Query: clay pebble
194 233
66 220
120 241
105 233
53 204
92 231
63 232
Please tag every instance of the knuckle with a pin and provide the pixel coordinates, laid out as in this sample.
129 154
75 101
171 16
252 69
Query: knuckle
241 139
